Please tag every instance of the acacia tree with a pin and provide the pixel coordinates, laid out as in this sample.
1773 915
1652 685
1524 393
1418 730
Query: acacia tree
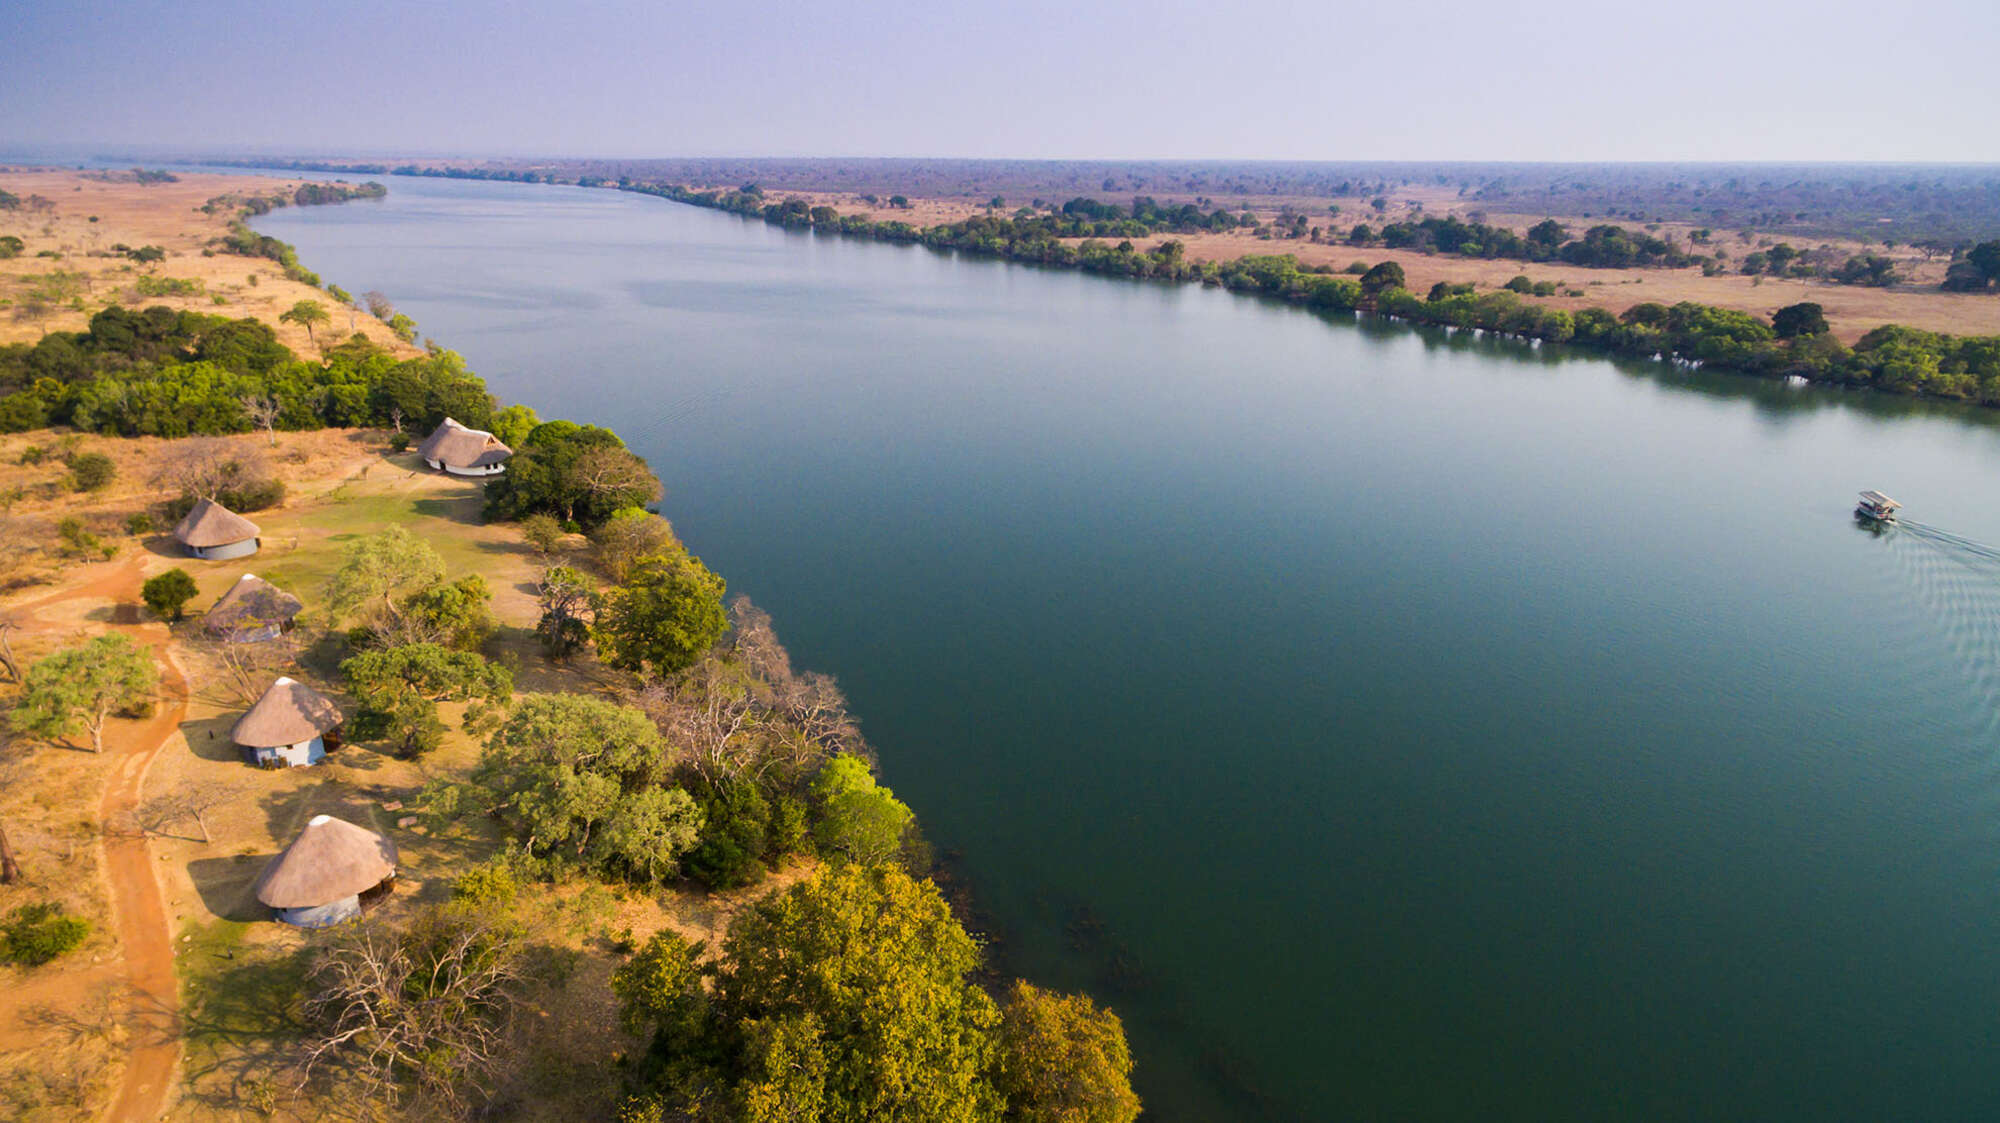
306 314
79 688
663 617
263 410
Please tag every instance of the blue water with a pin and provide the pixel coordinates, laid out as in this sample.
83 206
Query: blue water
1388 725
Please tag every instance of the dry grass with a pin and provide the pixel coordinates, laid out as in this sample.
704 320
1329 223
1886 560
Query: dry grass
1853 311
167 215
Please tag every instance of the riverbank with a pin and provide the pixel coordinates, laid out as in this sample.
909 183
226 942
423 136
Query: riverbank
72 224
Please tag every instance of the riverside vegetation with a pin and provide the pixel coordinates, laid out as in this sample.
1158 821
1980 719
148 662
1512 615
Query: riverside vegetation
697 757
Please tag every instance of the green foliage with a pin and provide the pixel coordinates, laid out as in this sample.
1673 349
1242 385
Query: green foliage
543 532
377 569
79 687
583 781
663 617
91 471
1868 270
457 613
168 593
399 689
308 314
1795 320
627 536
568 601
858 820
1063 1060
486 884
513 424
580 474
151 285
1380 279
851 992
139 523
10 246
79 542
33 935
735 836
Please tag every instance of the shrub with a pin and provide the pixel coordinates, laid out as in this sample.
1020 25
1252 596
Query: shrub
137 524
399 443
1520 283
167 594
33 454
91 471
79 541
35 934
486 884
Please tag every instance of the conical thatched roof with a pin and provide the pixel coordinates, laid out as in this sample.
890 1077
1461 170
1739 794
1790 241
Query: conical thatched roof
289 712
251 603
460 447
331 859
209 523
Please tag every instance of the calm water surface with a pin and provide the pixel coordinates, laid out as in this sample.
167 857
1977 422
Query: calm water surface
1389 726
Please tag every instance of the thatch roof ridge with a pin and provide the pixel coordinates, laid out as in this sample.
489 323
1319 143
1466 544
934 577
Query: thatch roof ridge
209 524
288 712
255 598
331 859
454 444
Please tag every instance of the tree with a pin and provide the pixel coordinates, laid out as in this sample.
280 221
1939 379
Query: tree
543 533
427 1006
378 305
663 617
1063 1060
581 474
306 314
167 594
1985 257
399 690
79 688
859 820
91 471
581 779
627 536
452 614
569 603
513 424
852 991
1383 277
264 410
374 570
1799 320
192 800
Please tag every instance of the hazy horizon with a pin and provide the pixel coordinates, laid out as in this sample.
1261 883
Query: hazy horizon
1565 82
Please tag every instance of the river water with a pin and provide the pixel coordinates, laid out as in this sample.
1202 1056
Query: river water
1389 725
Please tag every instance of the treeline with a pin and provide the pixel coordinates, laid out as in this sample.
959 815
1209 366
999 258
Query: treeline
164 373
1897 359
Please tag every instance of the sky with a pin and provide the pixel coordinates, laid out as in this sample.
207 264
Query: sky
1834 80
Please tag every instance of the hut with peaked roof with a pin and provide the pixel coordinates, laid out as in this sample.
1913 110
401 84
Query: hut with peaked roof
460 451
290 725
213 532
252 611
328 873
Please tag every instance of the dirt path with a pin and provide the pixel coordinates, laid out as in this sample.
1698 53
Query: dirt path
152 1005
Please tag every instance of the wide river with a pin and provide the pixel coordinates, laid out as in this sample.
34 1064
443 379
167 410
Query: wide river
1388 725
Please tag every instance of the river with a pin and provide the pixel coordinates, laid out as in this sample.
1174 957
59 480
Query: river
1389 725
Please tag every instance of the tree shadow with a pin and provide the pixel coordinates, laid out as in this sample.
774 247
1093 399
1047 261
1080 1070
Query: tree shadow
462 509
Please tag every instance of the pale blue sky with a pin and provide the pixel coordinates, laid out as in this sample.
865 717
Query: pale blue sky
1562 80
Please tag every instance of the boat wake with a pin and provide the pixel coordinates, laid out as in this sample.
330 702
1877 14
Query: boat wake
1957 580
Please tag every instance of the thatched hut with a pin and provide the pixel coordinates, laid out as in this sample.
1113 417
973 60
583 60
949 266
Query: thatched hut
214 532
461 451
328 873
253 610
292 724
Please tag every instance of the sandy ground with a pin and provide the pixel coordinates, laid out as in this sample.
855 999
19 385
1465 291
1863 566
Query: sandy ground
1853 311
78 216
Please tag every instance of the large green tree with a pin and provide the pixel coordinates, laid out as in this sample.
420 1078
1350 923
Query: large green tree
79 688
583 780
400 687
858 819
1063 1060
581 474
167 594
663 617
376 570
308 314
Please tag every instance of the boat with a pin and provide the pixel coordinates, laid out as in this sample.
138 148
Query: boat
1877 506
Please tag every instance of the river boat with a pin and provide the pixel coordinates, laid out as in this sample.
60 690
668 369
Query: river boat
1877 506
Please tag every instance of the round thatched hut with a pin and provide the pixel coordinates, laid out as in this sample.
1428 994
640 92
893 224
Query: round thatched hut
328 873
253 610
464 452
213 532
289 725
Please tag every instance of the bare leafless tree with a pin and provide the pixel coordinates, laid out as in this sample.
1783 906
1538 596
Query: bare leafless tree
378 305
204 466
7 660
428 1005
190 801
396 417
263 410
10 870
238 671
714 717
